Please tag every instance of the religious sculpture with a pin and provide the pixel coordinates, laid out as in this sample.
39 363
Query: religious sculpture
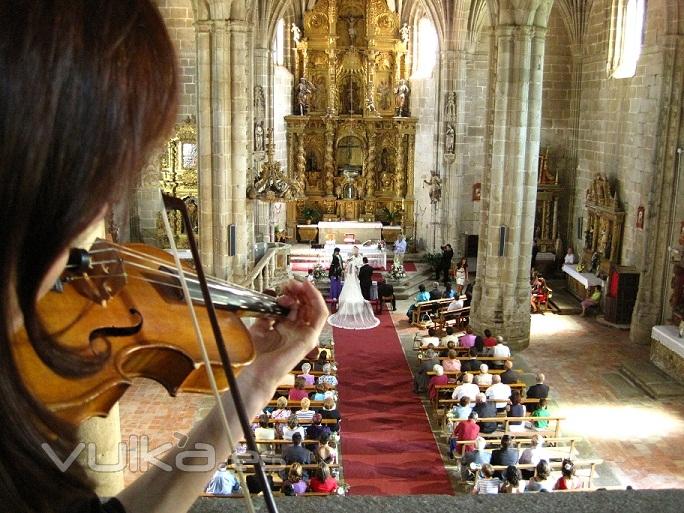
435 184
296 33
402 93
450 108
259 136
450 140
304 90
370 101
405 32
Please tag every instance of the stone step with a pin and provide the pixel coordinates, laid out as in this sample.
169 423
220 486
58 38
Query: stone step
651 380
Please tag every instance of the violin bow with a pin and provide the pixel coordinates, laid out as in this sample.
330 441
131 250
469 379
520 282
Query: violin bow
177 204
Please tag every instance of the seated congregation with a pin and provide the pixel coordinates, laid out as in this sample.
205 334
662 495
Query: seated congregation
297 435
500 431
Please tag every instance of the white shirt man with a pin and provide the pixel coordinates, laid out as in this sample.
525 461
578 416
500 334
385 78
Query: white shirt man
501 350
456 304
399 250
498 392
484 378
426 341
467 389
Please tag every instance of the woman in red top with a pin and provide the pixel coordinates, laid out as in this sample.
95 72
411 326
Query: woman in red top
568 481
298 393
322 481
438 379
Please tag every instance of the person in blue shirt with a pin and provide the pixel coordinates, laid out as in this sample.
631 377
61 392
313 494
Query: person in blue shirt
223 482
420 297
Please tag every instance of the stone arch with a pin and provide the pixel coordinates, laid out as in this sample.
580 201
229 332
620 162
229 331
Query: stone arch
413 10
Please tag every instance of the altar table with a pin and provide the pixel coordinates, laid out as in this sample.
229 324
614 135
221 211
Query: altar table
578 283
328 230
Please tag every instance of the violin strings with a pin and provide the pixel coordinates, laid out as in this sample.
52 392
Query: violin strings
205 357
156 260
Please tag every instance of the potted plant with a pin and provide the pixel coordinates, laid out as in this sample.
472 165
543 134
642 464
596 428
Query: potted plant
391 217
311 214
434 260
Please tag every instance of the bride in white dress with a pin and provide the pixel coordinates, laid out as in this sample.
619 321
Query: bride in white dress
354 312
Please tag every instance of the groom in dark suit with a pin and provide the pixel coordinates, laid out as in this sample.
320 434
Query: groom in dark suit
365 279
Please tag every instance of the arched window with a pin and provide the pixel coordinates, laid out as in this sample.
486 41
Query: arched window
425 49
627 23
279 43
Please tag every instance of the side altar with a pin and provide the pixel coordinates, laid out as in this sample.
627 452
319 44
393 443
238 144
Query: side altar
351 140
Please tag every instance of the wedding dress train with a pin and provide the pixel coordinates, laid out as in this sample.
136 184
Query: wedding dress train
354 312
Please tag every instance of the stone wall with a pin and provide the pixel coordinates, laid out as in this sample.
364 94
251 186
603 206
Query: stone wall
179 18
477 82
618 122
557 115
424 107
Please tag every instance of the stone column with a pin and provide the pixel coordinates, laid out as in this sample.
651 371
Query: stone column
102 456
205 139
240 138
666 206
502 290
223 142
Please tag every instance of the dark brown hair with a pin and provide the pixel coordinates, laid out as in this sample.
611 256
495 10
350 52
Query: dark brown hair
88 88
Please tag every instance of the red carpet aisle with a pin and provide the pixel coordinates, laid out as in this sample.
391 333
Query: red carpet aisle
387 445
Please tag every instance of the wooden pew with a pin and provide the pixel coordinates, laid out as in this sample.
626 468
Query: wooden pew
555 432
451 386
556 465
426 309
441 412
457 319
521 442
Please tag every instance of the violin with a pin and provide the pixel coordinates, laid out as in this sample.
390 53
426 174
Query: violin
124 304
140 313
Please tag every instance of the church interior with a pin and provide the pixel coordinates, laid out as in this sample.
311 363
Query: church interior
542 140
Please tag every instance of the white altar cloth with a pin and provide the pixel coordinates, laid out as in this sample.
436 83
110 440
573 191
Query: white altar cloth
586 279
362 231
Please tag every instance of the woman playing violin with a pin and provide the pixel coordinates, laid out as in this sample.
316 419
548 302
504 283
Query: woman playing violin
88 89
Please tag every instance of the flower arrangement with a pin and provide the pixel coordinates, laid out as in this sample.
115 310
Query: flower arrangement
397 272
318 272
580 267
381 245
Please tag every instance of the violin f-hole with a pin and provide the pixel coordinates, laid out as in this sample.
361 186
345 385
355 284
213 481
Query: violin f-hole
101 334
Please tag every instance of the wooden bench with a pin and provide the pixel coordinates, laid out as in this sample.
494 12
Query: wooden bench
555 432
449 387
519 442
328 422
427 309
441 412
556 465
457 319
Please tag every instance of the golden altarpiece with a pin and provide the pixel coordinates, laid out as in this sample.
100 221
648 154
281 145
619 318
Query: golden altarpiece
546 212
351 141
179 178
603 229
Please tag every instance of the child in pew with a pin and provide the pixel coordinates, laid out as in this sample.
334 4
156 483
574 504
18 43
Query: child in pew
295 478
512 478
568 480
541 412
487 484
540 481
